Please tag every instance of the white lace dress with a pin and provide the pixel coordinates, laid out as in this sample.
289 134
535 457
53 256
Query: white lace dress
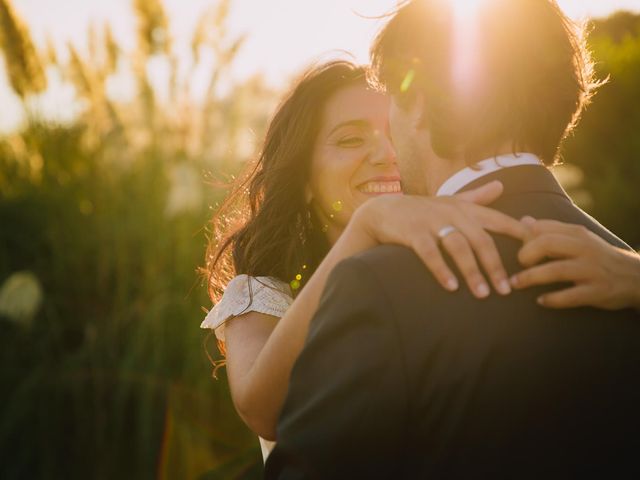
245 294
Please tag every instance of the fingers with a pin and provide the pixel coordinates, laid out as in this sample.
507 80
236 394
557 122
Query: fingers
541 227
430 254
460 251
483 195
569 298
472 220
471 248
498 222
552 272
486 251
551 245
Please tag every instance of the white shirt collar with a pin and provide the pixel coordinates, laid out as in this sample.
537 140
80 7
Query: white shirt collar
467 175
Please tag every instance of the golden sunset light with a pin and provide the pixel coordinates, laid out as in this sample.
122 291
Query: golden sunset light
305 238
282 36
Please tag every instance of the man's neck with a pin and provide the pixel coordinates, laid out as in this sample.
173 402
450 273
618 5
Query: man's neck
441 172
443 169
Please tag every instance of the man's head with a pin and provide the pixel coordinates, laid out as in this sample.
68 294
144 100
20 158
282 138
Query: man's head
527 78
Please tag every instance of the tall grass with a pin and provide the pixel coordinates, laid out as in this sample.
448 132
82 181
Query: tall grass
103 372
110 378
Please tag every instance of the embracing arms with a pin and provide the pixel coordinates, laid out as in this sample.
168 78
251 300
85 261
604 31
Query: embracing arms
261 349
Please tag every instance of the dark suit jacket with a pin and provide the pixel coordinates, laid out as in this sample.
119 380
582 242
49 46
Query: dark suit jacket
400 379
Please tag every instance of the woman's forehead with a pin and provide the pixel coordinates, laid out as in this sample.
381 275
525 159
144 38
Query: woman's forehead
355 103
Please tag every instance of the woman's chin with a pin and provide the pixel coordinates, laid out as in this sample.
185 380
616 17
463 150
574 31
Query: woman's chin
379 194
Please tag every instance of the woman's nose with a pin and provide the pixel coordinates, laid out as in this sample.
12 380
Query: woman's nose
383 153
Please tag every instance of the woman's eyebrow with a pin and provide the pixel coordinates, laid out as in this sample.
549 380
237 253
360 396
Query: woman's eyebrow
350 123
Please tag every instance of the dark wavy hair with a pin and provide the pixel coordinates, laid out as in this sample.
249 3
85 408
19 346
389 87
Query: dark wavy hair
265 227
535 75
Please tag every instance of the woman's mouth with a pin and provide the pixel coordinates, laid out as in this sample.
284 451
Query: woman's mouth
380 187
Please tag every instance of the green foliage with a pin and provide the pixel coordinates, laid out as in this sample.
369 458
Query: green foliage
606 145
107 214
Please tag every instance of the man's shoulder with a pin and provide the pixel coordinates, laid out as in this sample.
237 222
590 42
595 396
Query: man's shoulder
397 273
391 263
385 255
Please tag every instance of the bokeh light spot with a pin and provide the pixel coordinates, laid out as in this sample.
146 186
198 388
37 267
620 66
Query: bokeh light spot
407 81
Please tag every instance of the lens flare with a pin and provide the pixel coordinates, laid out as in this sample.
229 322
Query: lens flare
407 81
465 8
465 66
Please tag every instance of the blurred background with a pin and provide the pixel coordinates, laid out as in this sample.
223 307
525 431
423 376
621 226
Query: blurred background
120 122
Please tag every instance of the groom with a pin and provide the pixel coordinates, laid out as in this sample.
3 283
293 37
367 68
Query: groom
400 379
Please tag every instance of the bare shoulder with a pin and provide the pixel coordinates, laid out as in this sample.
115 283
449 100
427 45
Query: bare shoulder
250 324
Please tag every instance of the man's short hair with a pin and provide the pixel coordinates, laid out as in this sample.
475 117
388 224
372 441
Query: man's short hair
533 75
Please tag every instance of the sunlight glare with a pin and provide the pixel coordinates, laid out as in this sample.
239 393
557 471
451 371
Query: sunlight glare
465 10
465 16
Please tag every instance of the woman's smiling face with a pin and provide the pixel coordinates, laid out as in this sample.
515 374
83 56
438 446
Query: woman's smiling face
353 158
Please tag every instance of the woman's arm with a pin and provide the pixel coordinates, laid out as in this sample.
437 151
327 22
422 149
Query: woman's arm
261 350
603 276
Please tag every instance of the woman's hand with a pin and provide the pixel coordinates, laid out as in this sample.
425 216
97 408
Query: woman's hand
421 223
602 275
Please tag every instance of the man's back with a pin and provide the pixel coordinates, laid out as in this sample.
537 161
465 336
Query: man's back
502 383
402 379
497 389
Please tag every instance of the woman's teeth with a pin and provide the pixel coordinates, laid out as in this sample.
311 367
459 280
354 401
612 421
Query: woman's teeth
381 187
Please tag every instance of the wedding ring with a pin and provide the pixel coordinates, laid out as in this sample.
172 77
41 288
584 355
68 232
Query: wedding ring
446 230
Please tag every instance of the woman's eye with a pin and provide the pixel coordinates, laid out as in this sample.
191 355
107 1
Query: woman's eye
351 142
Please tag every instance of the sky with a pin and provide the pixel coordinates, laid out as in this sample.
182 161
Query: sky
283 35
